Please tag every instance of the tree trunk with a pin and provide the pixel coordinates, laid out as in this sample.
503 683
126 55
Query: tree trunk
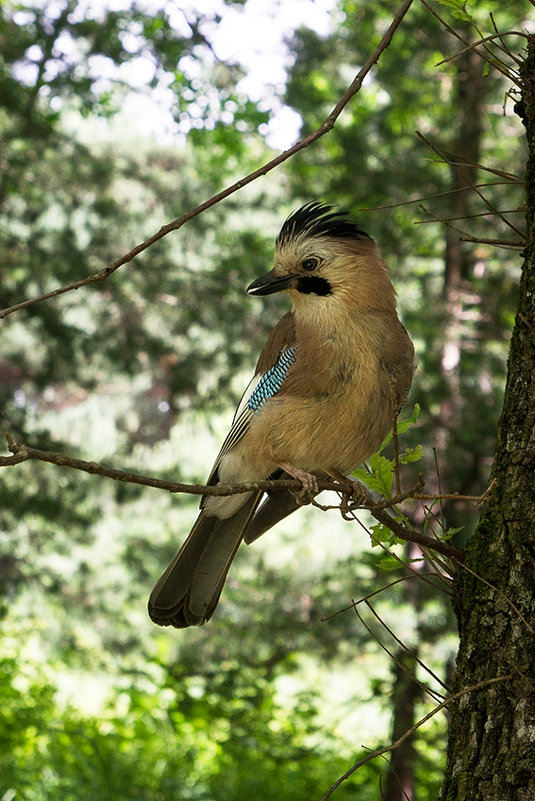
491 751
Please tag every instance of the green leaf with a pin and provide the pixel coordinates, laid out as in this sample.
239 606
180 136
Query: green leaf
451 532
458 9
381 476
382 472
402 426
381 534
411 455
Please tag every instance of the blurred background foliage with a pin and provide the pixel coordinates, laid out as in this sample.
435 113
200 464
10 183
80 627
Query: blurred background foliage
142 371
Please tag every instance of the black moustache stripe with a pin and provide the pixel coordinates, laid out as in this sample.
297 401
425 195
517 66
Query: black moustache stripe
313 285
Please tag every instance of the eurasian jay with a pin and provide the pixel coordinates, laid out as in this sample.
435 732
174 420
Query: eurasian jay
332 374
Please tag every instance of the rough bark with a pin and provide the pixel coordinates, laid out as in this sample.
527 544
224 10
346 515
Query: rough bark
491 752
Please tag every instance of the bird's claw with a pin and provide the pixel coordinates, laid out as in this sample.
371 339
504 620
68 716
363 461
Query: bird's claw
356 499
359 494
354 494
309 487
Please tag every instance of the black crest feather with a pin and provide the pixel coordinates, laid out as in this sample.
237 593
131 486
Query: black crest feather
318 219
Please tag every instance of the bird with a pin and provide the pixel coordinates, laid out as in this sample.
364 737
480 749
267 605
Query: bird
334 371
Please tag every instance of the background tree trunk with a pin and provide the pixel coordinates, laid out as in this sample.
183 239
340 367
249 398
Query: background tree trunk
399 782
491 754
472 92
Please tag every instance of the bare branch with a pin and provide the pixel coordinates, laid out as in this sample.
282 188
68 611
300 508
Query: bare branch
511 179
490 38
24 453
444 157
408 565
444 23
510 244
324 128
491 58
393 583
434 695
392 747
408 650
470 216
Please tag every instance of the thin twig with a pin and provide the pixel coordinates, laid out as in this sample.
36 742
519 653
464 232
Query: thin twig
392 747
490 38
303 143
397 778
443 221
446 192
472 216
512 244
491 60
461 161
406 648
375 592
406 565
470 183
400 530
434 695
444 23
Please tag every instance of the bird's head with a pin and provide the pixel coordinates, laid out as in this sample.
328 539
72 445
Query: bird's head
321 252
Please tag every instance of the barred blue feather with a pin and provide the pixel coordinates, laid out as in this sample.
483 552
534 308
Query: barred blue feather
272 381
260 389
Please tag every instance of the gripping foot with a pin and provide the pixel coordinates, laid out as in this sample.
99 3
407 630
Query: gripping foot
309 484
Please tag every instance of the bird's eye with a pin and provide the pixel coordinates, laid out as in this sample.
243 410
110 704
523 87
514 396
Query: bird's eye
310 264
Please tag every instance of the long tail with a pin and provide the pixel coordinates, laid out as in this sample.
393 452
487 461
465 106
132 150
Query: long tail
188 592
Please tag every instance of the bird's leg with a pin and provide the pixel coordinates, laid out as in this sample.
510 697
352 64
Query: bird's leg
309 484
359 494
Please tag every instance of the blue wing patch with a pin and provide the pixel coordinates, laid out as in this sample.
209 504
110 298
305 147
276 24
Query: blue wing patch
272 381
259 390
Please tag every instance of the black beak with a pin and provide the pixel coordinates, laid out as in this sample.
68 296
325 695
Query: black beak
268 284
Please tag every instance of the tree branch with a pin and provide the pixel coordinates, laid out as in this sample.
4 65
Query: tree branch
324 128
454 165
387 748
24 453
